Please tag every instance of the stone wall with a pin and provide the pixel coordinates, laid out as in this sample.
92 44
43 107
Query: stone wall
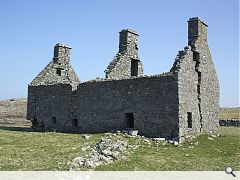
189 117
101 106
50 92
198 85
49 107
229 122
208 85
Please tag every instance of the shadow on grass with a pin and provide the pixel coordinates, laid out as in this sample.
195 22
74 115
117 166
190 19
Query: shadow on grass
30 129
23 129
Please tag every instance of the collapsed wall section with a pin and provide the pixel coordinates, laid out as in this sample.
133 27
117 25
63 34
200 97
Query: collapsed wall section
149 104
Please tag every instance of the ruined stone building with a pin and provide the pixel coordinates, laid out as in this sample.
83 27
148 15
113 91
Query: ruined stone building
181 102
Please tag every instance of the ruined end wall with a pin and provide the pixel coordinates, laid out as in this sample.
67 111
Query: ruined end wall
153 102
49 94
197 82
208 89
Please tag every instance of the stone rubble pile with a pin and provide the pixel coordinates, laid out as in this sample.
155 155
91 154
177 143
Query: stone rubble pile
105 151
111 148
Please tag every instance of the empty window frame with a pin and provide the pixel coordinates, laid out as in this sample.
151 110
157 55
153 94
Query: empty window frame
134 67
189 119
59 72
54 120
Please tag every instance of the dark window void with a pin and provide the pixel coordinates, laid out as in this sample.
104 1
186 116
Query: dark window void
129 117
189 119
134 67
34 121
136 47
196 56
75 122
59 72
54 120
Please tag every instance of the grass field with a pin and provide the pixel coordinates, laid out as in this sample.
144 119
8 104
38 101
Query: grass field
22 150
229 113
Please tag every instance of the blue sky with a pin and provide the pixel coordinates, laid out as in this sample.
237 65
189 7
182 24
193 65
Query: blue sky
30 28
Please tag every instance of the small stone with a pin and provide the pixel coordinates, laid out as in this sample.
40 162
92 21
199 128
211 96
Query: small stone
121 148
125 131
85 136
73 166
158 139
175 143
84 148
124 143
107 152
98 163
115 155
95 158
89 164
104 158
133 132
210 138
79 160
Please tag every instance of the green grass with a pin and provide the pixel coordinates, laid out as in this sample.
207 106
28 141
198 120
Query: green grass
199 154
51 151
40 150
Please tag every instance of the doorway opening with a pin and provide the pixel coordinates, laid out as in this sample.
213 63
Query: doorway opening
129 118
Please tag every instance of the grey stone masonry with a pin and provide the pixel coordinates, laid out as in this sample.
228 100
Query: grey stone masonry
173 105
59 70
208 85
126 63
197 83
